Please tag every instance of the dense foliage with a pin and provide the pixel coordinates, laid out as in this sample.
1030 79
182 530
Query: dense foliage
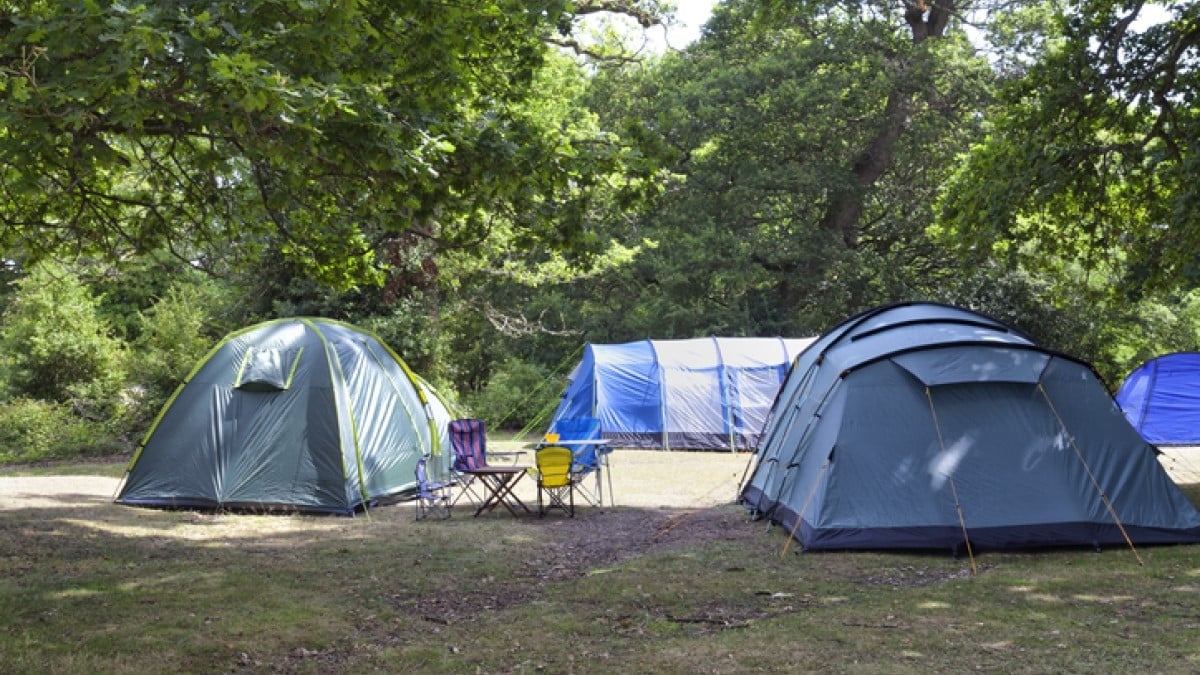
488 187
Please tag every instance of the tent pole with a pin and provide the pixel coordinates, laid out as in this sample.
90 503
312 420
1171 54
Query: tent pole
745 472
962 522
1092 477
800 516
727 395
662 396
808 427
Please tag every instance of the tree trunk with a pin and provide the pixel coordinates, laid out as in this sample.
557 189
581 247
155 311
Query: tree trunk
845 206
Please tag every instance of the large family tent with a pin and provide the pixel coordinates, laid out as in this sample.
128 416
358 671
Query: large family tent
698 394
304 414
925 426
1161 399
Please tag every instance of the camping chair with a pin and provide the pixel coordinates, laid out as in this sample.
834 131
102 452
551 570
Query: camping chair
554 479
433 497
468 438
589 458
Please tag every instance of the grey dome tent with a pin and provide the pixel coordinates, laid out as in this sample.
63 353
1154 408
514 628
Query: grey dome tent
305 414
925 426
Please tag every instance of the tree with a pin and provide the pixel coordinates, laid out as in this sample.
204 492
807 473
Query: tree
326 134
55 346
762 123
1092 156
899 42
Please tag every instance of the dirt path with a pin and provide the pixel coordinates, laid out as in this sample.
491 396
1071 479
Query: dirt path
639 478
45 491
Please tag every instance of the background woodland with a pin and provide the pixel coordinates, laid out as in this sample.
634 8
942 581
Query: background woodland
490 185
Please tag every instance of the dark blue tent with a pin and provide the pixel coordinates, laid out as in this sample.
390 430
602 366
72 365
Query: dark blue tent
1161 399
927 426
699 394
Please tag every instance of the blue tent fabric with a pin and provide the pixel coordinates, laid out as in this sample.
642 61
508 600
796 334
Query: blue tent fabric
1161 399
926 426
697 394
580 429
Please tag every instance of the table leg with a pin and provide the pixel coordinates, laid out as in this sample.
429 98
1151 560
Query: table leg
500 488
493 486
506 495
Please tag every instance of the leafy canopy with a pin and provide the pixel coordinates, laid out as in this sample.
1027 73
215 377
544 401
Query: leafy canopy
318 131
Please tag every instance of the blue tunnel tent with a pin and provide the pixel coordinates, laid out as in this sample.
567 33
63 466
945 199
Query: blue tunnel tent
1161 399
697 394
308 415
924 426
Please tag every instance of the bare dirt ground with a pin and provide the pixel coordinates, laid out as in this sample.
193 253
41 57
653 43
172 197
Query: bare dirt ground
1182 463
648 479
640 478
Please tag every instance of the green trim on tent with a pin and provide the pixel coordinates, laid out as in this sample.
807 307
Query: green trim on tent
237 379
392 384
420 385
175 395
338 378
164 483
292 371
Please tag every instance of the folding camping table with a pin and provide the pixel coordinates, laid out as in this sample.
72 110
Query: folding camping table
499 482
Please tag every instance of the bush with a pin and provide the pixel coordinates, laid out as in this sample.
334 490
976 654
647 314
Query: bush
33 430
517 394
56 347
172 340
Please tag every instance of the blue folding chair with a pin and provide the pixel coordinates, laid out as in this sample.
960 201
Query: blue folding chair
590 458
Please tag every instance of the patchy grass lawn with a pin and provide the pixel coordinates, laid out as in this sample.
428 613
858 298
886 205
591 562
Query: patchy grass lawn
673 579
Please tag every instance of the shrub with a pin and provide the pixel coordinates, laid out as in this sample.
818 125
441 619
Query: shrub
517 394
57 348
32 430
171 341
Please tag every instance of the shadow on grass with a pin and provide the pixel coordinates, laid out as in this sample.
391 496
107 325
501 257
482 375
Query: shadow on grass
94 586
212 591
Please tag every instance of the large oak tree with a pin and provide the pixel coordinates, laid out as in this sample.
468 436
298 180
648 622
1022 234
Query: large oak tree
334 135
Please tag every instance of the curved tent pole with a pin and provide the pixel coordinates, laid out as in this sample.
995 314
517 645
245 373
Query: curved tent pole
768 429
727 400
1091 476
816 414
762 443
337 378
662 389
435 442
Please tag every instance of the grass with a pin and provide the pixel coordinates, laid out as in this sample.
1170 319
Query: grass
648 586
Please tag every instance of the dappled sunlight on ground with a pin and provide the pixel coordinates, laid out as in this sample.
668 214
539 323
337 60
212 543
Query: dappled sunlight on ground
655 478
639 478
24 492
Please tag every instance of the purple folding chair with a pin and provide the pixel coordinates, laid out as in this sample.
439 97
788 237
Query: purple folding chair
468 438
433 497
